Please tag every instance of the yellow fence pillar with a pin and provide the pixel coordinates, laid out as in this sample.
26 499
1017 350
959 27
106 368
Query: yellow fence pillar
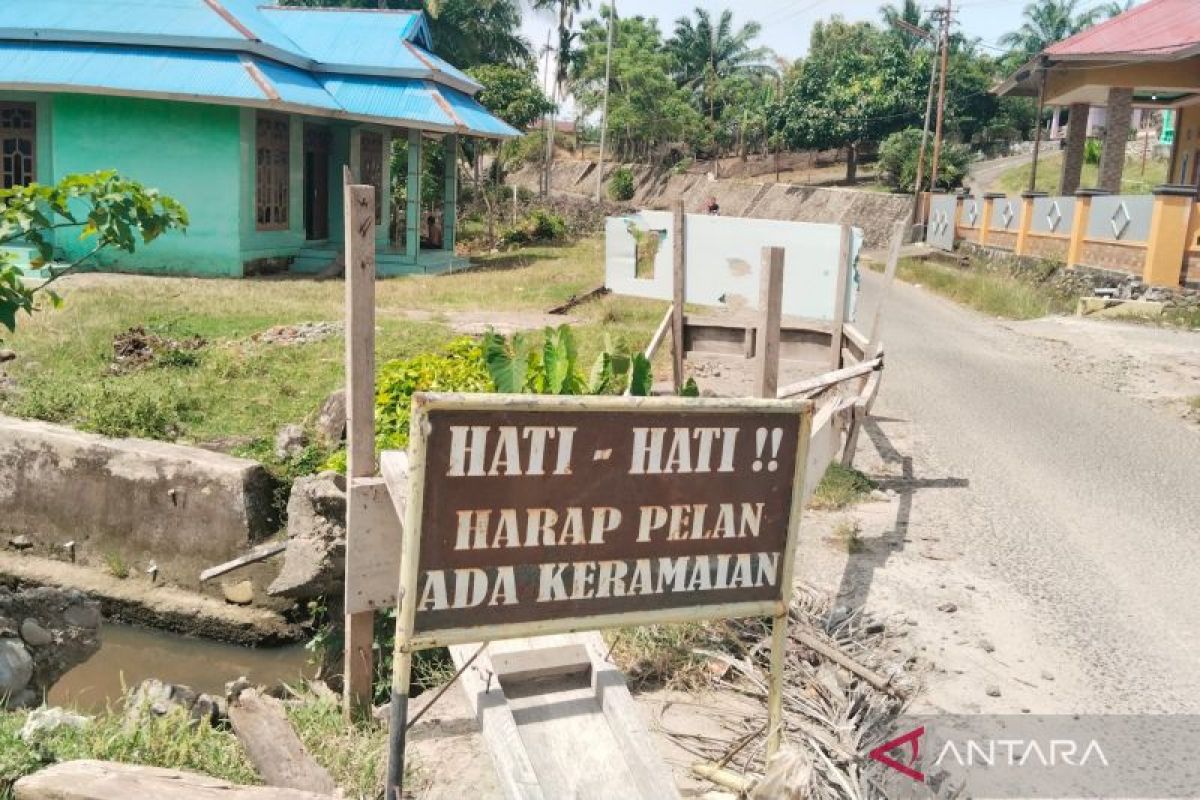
1079 226
1170 224
1026 221
985 216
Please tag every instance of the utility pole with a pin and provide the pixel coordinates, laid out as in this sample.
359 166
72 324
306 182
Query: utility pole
1037 135
941 107
933 70
547 121
612 21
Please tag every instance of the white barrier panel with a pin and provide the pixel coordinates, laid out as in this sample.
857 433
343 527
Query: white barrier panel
724 261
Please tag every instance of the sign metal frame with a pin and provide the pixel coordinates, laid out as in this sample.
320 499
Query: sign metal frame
407 641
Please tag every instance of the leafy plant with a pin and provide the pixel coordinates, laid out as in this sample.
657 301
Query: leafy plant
1091 152
620 185
898 161
520 367
116 566
539 225
108 211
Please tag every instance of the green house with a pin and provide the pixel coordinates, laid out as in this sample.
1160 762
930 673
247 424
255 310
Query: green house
248 115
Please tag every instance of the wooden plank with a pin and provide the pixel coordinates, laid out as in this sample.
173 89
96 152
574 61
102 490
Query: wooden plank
108 780
823 446
278 755
373 569
841 298
770 310
514 771
858 418
360 419
820 382
260 553
679 293
854 341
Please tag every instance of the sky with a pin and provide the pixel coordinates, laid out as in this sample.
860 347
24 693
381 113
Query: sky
787 23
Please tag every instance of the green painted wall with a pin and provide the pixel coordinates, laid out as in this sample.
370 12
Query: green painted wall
190 151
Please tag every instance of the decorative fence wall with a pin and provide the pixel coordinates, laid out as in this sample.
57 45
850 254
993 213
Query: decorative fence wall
1154 236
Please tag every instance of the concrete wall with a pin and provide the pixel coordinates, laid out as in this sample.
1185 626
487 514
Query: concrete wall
181 507
875 212
187 150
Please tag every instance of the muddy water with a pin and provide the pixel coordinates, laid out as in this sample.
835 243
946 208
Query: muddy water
129 655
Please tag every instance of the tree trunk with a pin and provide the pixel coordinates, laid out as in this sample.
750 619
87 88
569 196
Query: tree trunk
851 163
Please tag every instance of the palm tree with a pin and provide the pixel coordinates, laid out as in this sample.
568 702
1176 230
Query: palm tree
906 12
1116 9
566 11
705 55
1047 22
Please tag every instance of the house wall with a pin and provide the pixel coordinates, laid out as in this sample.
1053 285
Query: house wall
187 150
1186 151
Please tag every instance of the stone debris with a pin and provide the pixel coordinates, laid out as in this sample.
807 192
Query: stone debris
137 348
157 698
47 720
331 420
315 557
240 593
290 441
6 356
298 333
59 629
993 690
20 542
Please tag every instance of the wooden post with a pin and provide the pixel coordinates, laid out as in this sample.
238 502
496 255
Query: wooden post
1026 222
450 194
412 216
1170 224
679 288
1079 225
360 416
770 315
841 298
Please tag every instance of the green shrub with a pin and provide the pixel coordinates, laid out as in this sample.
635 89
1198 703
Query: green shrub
898 161
539 226
110 406
620 185
1092 151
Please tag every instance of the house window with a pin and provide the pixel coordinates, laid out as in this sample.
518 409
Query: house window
273 155
18 124
370 167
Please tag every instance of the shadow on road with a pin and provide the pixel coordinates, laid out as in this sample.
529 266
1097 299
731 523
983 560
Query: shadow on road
861 566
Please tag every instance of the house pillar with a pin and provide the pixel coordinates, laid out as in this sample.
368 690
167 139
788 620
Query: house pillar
1170 225
1116 138
450 193
1073 154
412 218
1056 123
985 218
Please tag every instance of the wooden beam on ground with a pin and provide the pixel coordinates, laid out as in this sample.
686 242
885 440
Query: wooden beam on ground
261 725
260 553
108 780
841 297
770 315
679 293
360 421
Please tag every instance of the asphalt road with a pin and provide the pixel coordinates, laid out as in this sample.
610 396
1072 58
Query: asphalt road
1084 501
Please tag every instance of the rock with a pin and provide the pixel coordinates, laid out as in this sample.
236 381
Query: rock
107 780
157 698
1047 676
8 628
20 542
948 608
234 688
331 420
993 690
290 442
877 495
9 355
314 561
35 634
986 646
47 720
85 615
16 668
240 593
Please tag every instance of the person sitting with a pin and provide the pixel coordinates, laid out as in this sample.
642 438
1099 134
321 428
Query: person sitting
712 207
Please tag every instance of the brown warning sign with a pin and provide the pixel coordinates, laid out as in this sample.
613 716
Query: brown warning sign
556 514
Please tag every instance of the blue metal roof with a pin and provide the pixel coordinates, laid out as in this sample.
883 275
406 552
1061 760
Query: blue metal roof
351 63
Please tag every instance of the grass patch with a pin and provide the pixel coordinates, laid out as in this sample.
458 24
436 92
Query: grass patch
994 292
239 390
1133 181
847 534
171 741
116 566
354 755
840 487
671 655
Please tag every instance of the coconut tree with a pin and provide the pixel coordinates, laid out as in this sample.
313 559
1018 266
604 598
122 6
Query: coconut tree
905 13
1047 22
706 55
